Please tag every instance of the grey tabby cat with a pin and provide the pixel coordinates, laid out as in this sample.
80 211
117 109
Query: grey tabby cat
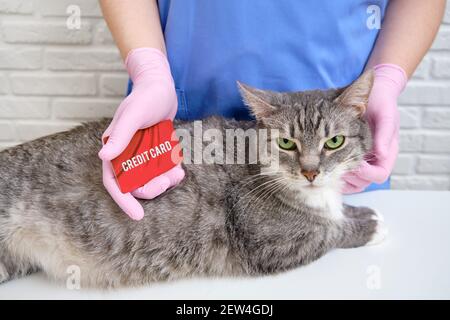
221 220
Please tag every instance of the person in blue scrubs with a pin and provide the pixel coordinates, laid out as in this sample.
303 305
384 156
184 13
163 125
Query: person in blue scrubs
282 45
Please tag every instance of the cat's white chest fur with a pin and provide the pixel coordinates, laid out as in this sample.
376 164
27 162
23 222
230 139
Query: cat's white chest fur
328 200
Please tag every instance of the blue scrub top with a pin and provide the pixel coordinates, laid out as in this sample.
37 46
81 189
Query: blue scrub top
282 45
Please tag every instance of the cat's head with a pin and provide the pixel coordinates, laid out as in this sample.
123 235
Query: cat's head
323 133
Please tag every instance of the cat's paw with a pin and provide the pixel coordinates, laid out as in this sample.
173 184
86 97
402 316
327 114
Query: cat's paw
381 232
376 215
362 213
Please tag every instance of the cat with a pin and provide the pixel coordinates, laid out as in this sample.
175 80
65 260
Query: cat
221 220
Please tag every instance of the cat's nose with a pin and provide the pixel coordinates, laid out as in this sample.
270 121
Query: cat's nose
310 174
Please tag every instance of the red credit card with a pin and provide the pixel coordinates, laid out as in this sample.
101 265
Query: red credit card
151 152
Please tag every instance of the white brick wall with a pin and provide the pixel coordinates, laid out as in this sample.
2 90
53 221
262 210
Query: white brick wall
51 78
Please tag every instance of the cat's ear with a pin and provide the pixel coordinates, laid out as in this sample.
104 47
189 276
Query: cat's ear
356 95
259 101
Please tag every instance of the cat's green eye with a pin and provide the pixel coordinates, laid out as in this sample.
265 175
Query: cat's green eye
335 142
286 144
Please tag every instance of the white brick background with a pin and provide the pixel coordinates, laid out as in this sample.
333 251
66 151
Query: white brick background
51 78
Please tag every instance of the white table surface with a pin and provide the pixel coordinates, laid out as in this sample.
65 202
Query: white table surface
414 262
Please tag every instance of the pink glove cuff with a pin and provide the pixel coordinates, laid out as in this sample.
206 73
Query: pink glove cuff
147 61
392 73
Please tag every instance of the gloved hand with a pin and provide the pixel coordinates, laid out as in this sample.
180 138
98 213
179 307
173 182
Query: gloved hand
383 117
152 100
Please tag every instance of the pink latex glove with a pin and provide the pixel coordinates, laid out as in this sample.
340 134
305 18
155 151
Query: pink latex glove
383 117
152 100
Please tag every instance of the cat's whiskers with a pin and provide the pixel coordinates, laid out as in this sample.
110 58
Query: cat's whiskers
266 192
277 189
259 176
285 186
262 185
258 189
351 160
266 173
254 179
